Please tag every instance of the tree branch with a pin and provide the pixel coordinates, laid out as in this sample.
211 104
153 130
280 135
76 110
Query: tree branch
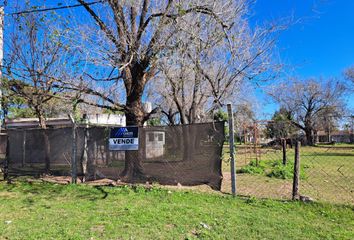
102 25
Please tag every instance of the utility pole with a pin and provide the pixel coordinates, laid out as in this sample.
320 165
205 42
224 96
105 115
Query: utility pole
2 16
2 124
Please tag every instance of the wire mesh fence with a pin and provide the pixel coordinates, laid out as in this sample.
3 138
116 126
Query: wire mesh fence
264 163
328 173
265 156
198 154
188 154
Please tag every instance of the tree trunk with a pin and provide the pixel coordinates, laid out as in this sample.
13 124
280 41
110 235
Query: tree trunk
84 160
43 126
309 136
135 114
186 142
315 137
171 118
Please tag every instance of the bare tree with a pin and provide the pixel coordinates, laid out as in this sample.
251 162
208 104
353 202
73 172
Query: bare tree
308 101
349 77
126 40
203 72
136 35
182 87
33 63
245 118
349 73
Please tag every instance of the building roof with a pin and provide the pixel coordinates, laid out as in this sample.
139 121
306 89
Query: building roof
92 119
34 122
339 132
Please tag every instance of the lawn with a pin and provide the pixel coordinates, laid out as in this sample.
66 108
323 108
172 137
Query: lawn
49 211
327 173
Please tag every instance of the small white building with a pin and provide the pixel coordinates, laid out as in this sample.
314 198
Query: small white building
106 119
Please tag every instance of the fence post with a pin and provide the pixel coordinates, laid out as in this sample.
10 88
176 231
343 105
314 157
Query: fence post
73 152
24 148
283 142
6 162
296 171
84 161
232 148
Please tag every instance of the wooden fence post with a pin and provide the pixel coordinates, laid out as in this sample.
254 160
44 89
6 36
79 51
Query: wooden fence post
73 152
232 149
296 171
283 141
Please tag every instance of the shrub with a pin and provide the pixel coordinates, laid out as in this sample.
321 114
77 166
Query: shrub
278 170
273 169
252 168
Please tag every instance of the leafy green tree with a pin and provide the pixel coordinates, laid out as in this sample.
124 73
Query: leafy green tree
154 121
280 126
220 116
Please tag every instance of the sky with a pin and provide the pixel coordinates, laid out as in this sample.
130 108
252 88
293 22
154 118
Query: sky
321 44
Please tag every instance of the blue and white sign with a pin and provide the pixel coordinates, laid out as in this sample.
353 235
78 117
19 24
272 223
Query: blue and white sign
124 139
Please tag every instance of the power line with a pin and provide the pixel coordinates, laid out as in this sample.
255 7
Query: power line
53 8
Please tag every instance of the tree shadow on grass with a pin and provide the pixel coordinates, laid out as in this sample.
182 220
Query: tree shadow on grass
329 154
101 189
49 191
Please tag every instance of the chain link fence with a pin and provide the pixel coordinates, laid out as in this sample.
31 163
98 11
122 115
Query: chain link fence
187 155
328 173
198 154
265 156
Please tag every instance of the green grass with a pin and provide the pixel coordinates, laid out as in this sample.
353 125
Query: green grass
327 172
273 168
342 145
49 211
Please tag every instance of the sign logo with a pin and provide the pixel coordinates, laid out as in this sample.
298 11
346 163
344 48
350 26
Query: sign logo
123 132
124 139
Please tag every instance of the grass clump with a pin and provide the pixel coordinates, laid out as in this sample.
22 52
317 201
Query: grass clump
254 168
273 169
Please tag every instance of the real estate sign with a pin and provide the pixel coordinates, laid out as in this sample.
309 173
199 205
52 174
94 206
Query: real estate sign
124 139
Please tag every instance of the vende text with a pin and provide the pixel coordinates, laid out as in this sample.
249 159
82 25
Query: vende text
123 141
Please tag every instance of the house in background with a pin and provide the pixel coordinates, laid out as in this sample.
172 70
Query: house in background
340 136
25 123
100 119
91 119
105 119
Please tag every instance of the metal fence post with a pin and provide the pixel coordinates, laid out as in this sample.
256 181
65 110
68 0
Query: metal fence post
232 148
296 171
73 152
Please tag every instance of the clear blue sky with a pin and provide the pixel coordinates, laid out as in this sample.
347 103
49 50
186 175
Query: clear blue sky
322 44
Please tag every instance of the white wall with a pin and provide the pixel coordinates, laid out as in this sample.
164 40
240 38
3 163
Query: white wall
106 119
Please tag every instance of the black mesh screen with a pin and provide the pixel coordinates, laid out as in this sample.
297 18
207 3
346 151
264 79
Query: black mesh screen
185 154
